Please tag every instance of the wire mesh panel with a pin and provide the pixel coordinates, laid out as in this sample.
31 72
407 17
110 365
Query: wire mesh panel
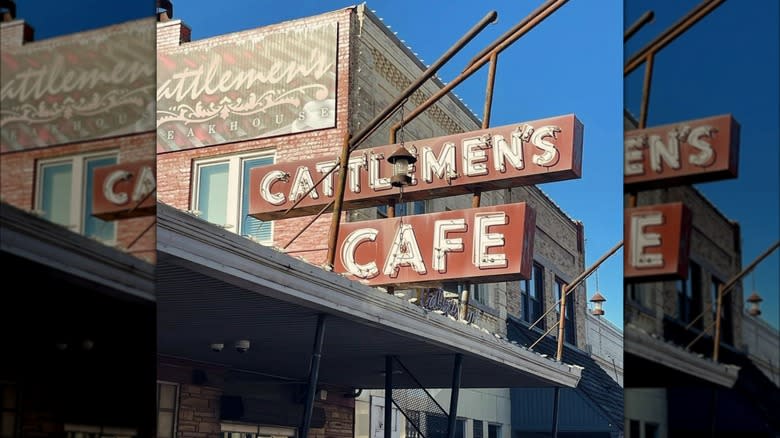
424 416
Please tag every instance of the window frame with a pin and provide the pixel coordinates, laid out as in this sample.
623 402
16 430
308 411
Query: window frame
526 313
175 410
570 325
78 183
235 190
726 318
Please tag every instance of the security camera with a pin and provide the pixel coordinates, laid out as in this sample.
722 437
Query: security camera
242 346
217 347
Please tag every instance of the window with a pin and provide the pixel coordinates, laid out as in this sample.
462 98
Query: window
436 425
481 294
403 209
494 431
689 293
633 429
478 432
167 400
64 193
640 294
726 331
532 296
239 430
651 430
570 334
90 431
413 418
221 194
8 410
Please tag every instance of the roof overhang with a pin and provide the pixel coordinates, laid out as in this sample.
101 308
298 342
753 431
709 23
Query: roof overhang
102 267
215 286
674 357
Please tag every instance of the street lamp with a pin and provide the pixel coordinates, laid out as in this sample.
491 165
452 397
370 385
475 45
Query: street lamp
755 304
401 159
598 304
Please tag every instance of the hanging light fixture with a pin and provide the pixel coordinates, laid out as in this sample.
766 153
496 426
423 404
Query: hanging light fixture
598 304
755 300
597 299
401 159
755 304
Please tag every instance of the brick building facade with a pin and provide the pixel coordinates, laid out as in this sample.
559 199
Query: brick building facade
81 331
372 67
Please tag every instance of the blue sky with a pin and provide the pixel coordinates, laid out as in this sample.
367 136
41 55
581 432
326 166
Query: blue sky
570 63
726 63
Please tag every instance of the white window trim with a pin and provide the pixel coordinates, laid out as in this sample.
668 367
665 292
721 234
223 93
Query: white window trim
78 181
235 176
259 429
175 405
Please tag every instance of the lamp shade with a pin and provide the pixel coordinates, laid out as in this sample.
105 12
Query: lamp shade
755 304
598 304
401 159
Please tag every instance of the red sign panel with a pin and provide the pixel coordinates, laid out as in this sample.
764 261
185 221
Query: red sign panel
488 244
657 239
524 153
681 153
124 190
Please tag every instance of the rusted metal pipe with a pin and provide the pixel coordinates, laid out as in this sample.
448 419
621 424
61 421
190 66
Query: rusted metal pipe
543 335
335 222
727 286
491 81
317 216
476 198
646 91
671 33
638 24
352 142
562 321
526 24
385 114
429 73
725 289
496 47
585 274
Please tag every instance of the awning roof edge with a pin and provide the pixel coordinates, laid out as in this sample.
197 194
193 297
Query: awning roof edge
639 342
33 238
198 244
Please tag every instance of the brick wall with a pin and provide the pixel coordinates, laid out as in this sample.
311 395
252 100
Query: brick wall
175 169
198 404
171 34
15 34
17 182
714 247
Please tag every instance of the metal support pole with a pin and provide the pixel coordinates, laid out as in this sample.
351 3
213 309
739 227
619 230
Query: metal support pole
725 289
671 33
556 407
719 308
644 19
335 220
456 374
483 57
562 322
388 396
314 372
355 140
580 278
648 80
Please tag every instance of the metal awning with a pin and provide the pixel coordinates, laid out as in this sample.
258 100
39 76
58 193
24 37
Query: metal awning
214 286
673 357
101 267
